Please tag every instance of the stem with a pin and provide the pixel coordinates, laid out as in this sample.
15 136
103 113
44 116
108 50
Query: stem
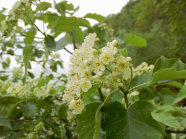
17 120
131 76
30 36
35 25
68 50
101 94
125 97
176 131
73 41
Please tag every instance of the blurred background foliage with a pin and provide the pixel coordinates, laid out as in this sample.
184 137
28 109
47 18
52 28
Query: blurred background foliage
161 22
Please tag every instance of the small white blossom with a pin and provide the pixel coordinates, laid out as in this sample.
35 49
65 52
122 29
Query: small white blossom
77 106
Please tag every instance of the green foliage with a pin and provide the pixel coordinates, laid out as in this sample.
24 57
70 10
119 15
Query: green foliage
27 52
43 6
95 16
135 40
160 23
146 104
50 42
88 122
136 122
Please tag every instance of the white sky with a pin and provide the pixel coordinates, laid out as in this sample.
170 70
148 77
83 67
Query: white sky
103 7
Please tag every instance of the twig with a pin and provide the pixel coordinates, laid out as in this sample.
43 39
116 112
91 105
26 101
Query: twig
73 41
176 131
35 25
68 50
17 120
101 94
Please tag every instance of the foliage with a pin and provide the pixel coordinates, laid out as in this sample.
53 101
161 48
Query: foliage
103 96
161 23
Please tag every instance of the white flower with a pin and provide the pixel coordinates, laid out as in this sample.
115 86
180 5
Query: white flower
98 66
108 52
89 40
85 85
76 106
16 5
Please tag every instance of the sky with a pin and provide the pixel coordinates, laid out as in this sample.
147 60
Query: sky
103 7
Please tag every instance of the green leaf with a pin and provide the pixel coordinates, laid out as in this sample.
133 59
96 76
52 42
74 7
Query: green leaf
68 24
175 84
134 123
135 40
50 42
29 36
165 63
30 109
181 95
4 121
27 53
5 100
166 96
95 16
43 6
63 6
168 74
141 81
62 112
89 123
165 117
61 43
92 95
117 96
167 69
38 53
4 65
41 82
10 52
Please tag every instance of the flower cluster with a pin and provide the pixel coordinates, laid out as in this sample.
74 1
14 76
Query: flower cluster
15 12
90 65
143 68
23 90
